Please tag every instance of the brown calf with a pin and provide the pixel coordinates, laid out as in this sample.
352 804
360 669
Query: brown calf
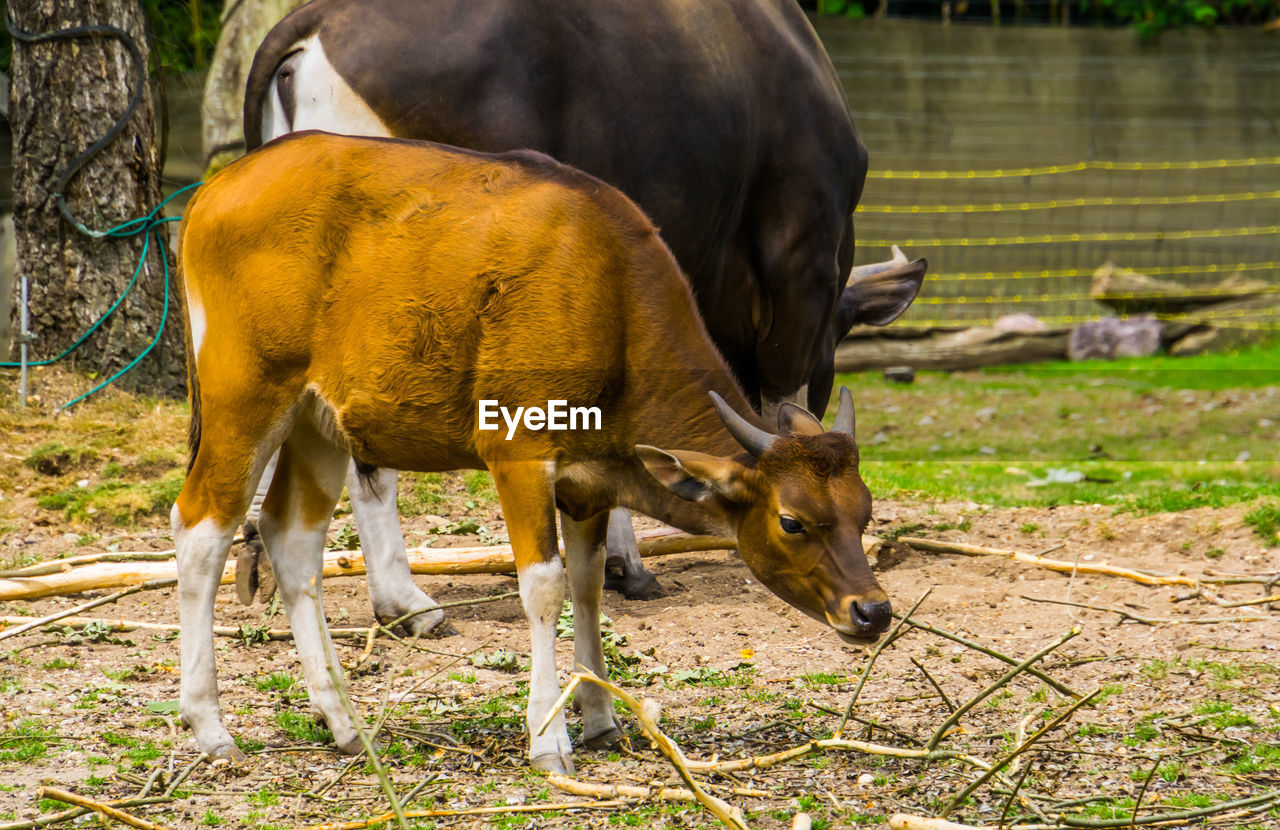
362 298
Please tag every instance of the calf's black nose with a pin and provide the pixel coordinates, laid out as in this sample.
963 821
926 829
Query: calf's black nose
872 617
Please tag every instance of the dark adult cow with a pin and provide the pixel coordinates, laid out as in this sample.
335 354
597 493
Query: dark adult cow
723 119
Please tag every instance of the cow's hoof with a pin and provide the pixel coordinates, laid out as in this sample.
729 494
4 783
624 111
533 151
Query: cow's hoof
354 746
442 629
228 752
633 585
553 762
604 740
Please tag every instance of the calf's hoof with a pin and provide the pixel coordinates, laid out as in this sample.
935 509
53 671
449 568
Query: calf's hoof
354 746
226 752
553 762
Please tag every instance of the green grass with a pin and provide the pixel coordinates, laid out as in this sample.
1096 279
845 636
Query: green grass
303 728
117 502
1265 521
1146 435
25 742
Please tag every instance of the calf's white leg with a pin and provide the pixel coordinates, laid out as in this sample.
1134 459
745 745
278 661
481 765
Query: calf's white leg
201 555
584 555
526 490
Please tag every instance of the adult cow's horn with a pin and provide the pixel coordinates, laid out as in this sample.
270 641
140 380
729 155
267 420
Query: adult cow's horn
844 421
873 268
753 439
878 292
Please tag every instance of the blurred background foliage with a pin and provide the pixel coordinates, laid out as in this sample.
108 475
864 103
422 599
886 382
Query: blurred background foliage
184 31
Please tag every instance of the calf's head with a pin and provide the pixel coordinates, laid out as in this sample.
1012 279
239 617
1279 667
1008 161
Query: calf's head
799 512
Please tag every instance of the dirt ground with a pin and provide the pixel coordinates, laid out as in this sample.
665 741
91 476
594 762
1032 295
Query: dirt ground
737 673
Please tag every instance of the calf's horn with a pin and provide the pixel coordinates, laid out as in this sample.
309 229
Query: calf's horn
753 439
844 421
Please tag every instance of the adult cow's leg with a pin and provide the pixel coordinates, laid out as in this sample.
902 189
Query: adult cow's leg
526 490
584 556
391 585
624 570
295 519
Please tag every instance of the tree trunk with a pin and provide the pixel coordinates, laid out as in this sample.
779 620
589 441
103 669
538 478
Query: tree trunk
66 95
244 25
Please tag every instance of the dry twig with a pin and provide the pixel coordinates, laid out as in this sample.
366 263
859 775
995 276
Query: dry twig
955 716
1056 685
94 603
1102 569
615 791
474 811
1138 618
99 807
648 713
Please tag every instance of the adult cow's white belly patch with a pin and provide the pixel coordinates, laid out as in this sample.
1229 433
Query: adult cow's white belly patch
322 99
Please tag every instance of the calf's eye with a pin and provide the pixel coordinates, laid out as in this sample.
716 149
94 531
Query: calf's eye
790 525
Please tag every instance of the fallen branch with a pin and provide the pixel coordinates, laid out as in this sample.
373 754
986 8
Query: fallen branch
122 625
838 744
1138 618
575 787
71 612
61 565
470 560
1058 565
473 811
98 807
647 714
50 819
1057 686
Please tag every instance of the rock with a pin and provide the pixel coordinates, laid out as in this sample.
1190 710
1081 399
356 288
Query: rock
1112 337
900 374
1019 324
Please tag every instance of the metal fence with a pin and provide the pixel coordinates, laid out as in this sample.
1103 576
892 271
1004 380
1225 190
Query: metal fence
1019 160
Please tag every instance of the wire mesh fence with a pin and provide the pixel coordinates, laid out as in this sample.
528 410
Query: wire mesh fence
1019 160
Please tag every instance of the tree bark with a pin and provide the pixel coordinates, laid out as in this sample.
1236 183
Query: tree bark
244 24
66 94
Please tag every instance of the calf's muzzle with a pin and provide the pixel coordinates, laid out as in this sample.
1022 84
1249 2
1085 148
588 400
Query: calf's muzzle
861 619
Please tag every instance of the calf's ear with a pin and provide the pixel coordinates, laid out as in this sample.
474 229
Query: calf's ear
695 476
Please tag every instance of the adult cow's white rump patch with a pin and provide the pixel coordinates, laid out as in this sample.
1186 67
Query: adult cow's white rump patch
322 99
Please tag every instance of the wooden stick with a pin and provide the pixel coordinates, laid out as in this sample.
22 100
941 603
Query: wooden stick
648 714
98 807
121 625
474 811
1057 686
1138 618
587 788
955 716
59 565
49 819
71 612
839 744
469 560
902 821
1059 565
